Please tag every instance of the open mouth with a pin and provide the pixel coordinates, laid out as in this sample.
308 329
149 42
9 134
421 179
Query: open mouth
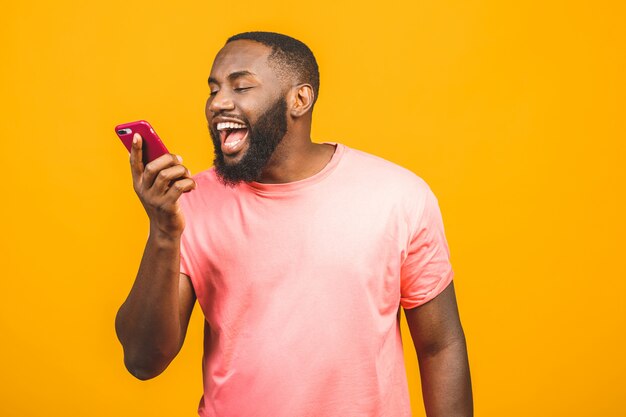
232 136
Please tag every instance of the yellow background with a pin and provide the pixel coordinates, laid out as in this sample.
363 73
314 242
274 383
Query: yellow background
514 112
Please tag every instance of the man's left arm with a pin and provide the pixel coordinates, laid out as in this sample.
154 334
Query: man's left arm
442 354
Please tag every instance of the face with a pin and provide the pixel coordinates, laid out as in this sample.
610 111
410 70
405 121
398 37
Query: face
246 112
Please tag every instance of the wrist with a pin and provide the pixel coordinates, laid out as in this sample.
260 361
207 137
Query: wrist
163 236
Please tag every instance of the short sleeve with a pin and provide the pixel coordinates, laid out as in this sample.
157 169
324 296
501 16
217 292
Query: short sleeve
185 267
426 270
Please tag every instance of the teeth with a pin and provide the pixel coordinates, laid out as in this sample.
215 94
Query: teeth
232 144
230 125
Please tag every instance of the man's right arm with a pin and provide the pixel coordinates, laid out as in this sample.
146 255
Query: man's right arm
151 324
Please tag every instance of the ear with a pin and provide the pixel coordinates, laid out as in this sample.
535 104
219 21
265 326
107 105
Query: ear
302 97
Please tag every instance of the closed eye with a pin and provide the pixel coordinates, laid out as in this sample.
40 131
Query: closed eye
241 89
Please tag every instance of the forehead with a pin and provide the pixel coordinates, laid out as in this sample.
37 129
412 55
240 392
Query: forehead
241 55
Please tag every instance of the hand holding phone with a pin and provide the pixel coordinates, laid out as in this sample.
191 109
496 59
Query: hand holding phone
160 181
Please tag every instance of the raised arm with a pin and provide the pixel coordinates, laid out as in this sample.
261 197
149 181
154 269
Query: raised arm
442 354
152 323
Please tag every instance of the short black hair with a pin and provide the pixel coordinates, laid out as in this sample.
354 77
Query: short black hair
289 55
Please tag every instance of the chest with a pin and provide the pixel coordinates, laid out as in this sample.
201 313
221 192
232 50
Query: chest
345 252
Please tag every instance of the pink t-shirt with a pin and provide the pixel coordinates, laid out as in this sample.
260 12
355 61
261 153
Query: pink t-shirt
301 285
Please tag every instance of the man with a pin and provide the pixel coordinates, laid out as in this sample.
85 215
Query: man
300 255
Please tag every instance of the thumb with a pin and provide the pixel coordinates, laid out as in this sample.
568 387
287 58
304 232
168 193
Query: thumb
136 157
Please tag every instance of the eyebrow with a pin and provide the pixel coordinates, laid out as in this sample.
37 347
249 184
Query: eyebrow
233 76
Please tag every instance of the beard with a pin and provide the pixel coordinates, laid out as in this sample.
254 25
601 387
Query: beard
263 139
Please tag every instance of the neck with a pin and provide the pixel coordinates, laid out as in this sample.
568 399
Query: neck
296 158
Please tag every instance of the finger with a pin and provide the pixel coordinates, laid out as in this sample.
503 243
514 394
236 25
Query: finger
179 187
195 185
166 176
136 163
153 168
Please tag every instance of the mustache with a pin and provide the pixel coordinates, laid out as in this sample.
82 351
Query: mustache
229 115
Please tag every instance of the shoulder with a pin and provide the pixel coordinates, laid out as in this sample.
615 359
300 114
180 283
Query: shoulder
376 171
206 177
208 187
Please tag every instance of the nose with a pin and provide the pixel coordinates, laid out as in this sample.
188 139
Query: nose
220 102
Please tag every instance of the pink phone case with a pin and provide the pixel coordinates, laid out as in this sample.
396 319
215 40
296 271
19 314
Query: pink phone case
152 147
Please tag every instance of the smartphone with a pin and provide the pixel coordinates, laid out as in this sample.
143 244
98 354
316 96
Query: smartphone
151 145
